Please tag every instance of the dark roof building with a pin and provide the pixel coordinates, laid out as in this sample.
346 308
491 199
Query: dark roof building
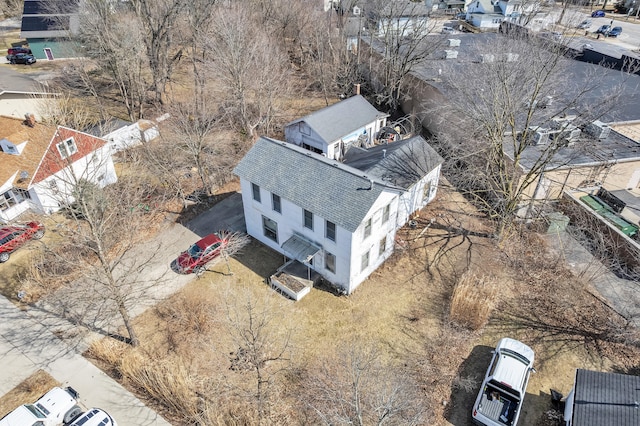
47 25
400 164
341 118
600 399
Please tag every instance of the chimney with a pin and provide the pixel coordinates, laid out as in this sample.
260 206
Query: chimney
30 120
357 89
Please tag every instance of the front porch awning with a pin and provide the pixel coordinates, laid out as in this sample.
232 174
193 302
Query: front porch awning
300 249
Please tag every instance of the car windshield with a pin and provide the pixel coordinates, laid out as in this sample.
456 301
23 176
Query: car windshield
34 410
194 251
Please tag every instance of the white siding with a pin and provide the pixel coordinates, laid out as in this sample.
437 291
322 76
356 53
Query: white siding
348 248
294 135
414 200
96 167
372 243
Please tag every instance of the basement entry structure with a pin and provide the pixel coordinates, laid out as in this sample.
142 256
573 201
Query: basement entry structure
295 278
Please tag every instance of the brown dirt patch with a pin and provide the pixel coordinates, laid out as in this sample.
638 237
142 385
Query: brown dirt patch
28 391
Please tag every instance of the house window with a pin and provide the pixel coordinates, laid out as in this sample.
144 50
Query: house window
429 187
275 202
367 228
256 192
53 184
383 246
330 231
365 261
330 262
270 228
385 213
308 219
67 148
7 201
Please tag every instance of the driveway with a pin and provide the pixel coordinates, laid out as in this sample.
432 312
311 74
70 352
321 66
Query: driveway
31 339
26 346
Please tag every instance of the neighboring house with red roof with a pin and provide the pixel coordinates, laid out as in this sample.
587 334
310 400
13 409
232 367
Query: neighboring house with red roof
40 166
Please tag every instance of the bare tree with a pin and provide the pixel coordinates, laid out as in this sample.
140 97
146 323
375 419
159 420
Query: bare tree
159 20
104 225
111 36
262 342
193 130
399 43
507 127
359 387
251 80
235 242
199 21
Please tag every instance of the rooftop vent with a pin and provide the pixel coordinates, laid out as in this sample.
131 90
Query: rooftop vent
512 57
450 54
487 58
8 147
598 129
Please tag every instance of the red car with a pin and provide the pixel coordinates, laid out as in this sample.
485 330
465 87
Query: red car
196 257
12 237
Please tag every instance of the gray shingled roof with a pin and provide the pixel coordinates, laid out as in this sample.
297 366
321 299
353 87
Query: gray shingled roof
331 190
401 163
342 118
610 399
107 126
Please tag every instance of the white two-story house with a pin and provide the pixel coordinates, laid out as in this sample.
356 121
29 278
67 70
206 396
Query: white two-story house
339 219
334 129
40 166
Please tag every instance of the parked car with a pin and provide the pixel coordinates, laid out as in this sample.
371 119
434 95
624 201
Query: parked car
499 401
13 237
23 58
598 14
94 417
584 24
614 32
196 257
55 407
449 30
12 51
604 29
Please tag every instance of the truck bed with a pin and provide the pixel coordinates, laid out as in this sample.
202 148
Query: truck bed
500 410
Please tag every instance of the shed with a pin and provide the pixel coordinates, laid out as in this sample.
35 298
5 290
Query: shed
599 399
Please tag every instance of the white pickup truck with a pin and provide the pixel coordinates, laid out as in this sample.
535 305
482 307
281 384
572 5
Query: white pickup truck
503 388
54 408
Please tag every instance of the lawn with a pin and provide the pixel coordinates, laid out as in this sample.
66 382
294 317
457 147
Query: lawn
402 309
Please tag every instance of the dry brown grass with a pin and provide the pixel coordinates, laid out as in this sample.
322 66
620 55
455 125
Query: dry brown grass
168 381
473 300
28 391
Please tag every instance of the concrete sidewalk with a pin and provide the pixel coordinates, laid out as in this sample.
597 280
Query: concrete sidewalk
26 346
620 293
